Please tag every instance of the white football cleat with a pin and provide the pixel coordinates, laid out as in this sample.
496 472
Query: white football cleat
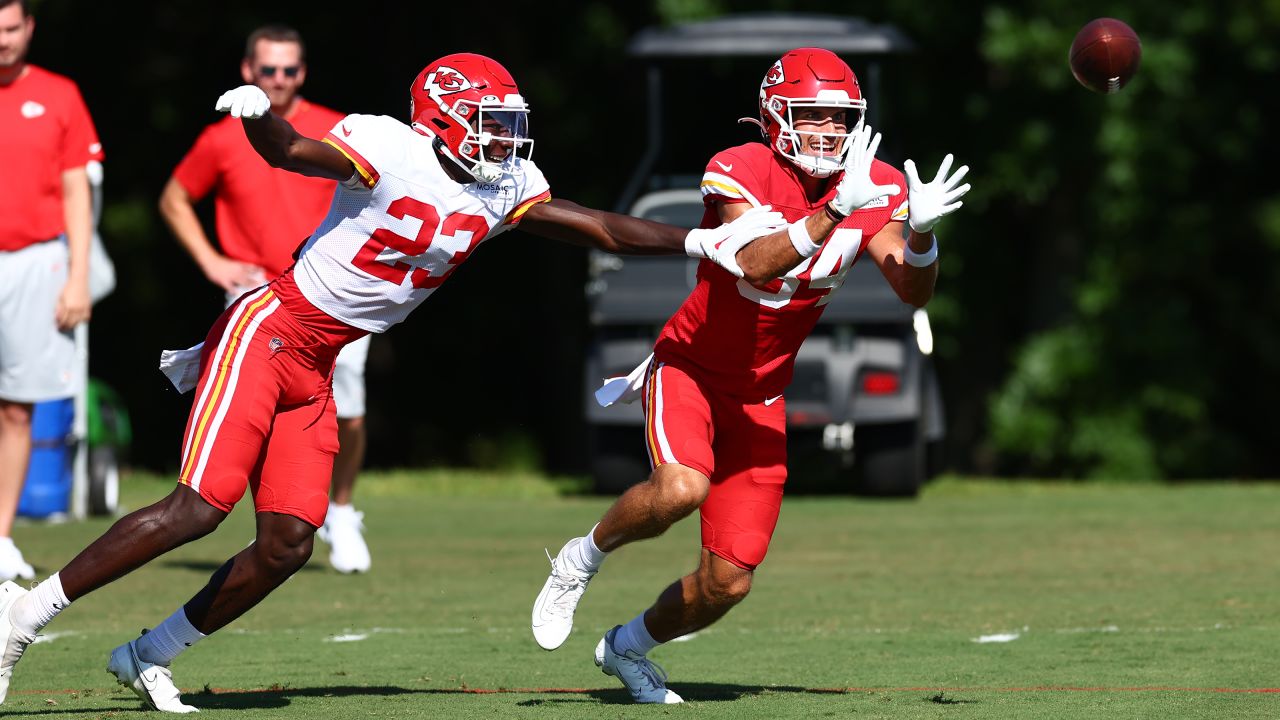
343 530
14 642
152 683
554 608
12 565
645 679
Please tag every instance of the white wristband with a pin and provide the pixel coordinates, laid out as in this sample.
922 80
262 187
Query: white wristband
913 259
693 244
800 240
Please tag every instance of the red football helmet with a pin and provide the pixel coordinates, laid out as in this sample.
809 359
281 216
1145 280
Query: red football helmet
810 77
471 104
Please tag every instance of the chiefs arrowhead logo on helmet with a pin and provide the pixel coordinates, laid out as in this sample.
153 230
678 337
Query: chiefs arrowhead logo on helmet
774 76
471 105
809 78
445 81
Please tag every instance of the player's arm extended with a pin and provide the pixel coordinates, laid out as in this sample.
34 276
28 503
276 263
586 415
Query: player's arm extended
626 235
278 142
773 255
913 284
283 147
619 234
912 267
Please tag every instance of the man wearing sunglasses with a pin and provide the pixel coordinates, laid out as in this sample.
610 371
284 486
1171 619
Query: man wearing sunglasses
262 215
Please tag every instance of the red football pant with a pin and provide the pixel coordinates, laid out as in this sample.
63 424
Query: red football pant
740 445
263 415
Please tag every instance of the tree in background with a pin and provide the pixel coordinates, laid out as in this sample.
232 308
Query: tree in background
1145 234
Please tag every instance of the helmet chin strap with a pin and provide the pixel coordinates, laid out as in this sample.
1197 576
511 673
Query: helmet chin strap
478 172
757 123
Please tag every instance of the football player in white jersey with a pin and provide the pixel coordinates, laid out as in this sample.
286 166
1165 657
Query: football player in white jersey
414 201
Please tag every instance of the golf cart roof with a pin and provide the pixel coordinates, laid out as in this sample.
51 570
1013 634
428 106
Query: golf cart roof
767 34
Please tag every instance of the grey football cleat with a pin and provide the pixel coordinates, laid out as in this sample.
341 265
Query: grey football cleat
645 679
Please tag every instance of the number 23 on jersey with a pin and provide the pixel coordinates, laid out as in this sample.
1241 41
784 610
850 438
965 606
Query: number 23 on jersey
394 270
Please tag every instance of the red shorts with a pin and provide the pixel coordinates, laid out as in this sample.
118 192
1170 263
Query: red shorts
740 445
263 415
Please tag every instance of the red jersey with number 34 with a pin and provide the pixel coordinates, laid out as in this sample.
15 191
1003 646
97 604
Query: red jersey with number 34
395 234
743 339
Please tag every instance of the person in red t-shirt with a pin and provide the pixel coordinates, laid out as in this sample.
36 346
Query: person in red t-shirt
262 215
46 139
713 389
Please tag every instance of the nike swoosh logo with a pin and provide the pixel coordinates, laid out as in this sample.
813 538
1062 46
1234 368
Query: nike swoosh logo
772 400
345 131
150 683
726 168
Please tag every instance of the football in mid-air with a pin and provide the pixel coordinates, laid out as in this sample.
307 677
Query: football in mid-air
1105 55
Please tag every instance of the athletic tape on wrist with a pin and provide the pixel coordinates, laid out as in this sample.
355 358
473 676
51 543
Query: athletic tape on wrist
800 240
926 259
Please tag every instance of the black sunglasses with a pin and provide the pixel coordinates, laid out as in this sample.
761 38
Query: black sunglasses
270 70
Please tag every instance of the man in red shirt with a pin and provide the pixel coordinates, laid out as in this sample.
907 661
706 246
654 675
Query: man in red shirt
46 139
713 395
262 215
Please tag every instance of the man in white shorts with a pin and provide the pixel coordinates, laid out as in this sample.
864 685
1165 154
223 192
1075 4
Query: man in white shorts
45 230
262 215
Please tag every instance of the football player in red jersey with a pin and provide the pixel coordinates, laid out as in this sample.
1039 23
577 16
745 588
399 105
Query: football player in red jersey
413 201
713 388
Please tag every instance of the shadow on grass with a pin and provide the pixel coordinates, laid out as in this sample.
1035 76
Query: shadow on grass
95 711
208 566
262 699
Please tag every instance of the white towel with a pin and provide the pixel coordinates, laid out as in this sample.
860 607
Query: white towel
623 389
182 367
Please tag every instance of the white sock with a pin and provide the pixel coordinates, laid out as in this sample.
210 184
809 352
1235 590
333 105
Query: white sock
168 639
340 512
587 555
40 606
634 636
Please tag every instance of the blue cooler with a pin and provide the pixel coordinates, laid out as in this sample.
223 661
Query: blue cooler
48 486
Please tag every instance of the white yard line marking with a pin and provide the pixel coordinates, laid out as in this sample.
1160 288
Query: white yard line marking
997 638
357 637
50 637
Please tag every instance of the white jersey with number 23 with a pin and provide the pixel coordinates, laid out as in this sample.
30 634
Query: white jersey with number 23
395 234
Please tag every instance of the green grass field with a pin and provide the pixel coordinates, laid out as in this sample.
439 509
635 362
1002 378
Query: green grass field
1136 601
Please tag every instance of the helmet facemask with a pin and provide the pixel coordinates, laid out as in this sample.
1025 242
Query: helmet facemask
791 141
471 106
497 134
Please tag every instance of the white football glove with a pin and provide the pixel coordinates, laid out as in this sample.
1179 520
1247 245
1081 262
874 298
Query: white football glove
856 189
247 101
932 201
721 244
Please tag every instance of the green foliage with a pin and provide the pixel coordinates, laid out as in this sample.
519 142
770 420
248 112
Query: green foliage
676 11
508 451
1138 208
